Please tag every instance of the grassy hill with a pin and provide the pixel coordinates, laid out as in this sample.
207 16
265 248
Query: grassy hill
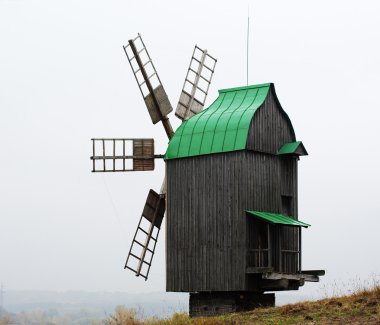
362 307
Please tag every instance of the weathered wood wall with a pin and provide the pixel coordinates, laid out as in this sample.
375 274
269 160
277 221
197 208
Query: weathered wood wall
207 197
270 128
221 303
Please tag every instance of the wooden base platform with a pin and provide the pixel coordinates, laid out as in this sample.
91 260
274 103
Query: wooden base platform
220 303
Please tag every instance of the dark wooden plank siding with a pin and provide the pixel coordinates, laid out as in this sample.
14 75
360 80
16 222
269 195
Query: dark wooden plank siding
270 127
207 237
206 220
289 235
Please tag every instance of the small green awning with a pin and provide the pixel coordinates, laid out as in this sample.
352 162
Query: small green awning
278 219
293 148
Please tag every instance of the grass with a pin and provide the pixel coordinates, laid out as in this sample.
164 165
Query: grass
5 321
360 307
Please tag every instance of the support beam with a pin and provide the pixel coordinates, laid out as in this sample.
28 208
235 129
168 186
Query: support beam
274 285
290 276
314 272
257 270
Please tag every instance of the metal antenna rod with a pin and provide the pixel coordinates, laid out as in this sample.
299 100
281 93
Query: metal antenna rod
248 46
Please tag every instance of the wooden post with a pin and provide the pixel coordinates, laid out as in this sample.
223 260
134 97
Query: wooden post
124 154
269 248
93 154
299 249
279 249
104 153
114 153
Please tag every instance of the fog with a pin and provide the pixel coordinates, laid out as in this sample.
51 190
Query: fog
64 79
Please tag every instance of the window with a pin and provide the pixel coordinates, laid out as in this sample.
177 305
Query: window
258 249
287 205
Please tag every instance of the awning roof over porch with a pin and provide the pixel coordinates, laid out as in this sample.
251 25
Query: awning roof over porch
277 219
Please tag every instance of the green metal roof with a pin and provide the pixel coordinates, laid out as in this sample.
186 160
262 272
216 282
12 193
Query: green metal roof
291 148
278 218
222 127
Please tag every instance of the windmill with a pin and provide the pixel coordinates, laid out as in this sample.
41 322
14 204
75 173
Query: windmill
132 154
230 192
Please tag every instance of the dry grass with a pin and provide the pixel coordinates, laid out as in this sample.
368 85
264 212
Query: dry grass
361 307
5 321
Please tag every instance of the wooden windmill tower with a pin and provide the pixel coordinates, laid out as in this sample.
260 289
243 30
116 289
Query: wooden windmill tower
230 191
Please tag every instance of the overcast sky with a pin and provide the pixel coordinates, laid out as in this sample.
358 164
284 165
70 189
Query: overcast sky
64 79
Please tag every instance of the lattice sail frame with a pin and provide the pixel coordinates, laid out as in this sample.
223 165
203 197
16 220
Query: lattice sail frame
192 99
147 78
196 85
122 155
141 254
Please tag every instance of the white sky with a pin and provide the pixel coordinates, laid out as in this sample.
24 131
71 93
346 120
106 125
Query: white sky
64 79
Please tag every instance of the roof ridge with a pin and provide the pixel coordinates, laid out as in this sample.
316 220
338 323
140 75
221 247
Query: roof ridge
225 90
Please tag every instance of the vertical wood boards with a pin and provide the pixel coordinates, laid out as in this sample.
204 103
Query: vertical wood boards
206 221
143 148
207 227
289 235
270 127
221 303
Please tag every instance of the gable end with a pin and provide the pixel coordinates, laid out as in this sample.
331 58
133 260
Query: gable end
270 127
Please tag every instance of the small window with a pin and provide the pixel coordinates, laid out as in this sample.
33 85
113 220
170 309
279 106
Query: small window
258 250
287 205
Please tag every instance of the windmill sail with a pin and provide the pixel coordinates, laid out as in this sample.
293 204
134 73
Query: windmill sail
122 155
144 242
196 85
155 97
113 155
192 99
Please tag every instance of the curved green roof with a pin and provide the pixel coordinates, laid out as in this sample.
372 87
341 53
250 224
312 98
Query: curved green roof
222 127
